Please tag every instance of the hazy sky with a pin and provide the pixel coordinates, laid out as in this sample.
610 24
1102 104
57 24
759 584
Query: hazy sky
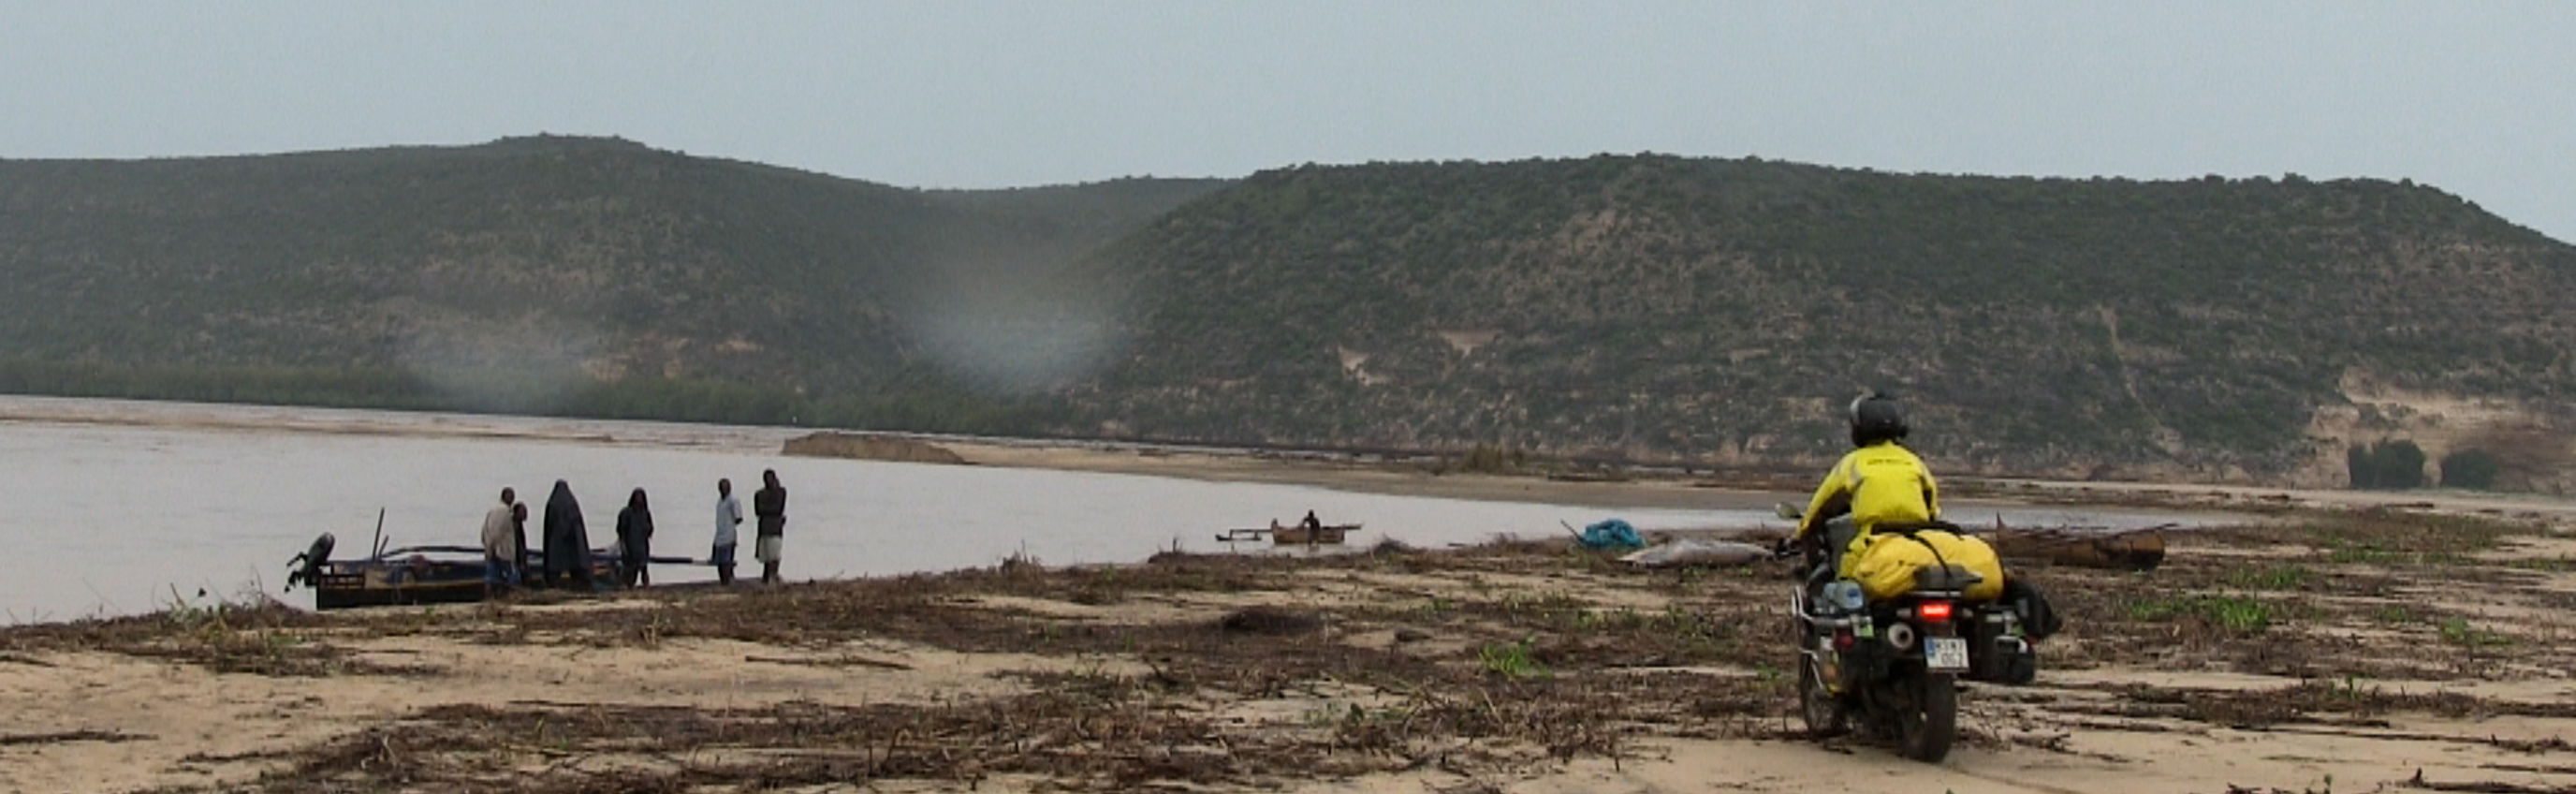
2478 98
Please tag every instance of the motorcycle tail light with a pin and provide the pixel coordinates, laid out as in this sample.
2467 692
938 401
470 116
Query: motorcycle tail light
1934 611
1843 641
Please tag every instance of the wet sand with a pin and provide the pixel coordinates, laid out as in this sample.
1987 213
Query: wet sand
2390 650
2423 648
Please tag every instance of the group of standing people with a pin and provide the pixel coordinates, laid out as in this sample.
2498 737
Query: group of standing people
769 505
565 559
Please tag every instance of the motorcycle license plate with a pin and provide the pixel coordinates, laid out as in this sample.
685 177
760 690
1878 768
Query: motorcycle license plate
1945 653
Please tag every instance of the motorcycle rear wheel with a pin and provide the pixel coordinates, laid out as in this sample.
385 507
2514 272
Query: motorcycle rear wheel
1927 716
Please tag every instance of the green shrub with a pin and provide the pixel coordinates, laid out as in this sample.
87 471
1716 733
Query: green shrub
2386 466
1491 459
2457 631
2470 468
1512 660
2288 577
2240 615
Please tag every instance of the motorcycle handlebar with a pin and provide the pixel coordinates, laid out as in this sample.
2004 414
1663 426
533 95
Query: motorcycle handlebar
1787 547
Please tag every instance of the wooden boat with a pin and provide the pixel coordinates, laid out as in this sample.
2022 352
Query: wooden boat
420 575
413 575
1301 534
1294 535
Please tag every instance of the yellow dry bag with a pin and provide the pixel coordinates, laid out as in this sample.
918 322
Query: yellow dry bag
1886 564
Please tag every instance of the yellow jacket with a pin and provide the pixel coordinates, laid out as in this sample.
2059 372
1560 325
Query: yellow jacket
1882 484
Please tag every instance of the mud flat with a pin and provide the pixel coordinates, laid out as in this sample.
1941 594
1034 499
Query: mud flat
869 446
2385 650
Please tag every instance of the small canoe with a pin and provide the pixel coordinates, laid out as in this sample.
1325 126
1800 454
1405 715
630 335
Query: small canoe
414 575
399 576
1330 534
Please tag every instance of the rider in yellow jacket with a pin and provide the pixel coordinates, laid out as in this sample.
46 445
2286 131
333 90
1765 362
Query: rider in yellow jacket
1880 484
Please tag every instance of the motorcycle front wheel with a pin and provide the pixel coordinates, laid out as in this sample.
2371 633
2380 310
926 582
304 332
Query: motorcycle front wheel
1824 714
1927 715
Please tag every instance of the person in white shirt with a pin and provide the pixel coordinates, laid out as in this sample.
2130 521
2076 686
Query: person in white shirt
728 517
501 544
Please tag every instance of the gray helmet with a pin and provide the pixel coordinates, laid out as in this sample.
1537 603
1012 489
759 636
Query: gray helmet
1875 418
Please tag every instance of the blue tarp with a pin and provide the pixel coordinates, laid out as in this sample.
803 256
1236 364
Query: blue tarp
1612 534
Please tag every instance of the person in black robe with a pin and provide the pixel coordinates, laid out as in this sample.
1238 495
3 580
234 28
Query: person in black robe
635 536
567 539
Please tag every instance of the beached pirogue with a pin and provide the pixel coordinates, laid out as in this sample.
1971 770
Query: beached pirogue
1296 534
410 575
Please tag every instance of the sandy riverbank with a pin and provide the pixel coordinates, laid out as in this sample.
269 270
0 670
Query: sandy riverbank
1723 492
2389 650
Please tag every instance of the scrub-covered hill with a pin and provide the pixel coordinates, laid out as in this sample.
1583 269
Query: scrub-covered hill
1649 308
1713 310
523 275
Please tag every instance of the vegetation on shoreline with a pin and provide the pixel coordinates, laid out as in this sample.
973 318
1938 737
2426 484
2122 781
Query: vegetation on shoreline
1630 308
1669 308
1482 663
930 408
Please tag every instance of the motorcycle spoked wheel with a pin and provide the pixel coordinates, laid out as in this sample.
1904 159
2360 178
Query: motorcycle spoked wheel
1824 714
1926 718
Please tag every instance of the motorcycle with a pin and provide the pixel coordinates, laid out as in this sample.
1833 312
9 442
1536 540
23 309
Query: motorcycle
1894 665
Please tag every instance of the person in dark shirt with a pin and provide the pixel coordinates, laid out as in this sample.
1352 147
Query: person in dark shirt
769 505
519 531
635 536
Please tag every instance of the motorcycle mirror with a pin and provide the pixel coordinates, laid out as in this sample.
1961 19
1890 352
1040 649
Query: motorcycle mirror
1787 511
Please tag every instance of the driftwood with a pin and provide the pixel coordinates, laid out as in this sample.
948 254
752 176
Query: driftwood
16 739
1687 552
2087 547
832 661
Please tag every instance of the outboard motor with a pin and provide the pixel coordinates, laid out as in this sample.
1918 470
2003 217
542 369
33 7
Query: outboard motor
307 567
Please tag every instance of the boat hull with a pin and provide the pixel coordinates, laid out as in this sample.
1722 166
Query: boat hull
373 583
1300 536
1291 535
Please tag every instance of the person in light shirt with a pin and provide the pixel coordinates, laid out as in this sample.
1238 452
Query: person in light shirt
728 522
501 545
